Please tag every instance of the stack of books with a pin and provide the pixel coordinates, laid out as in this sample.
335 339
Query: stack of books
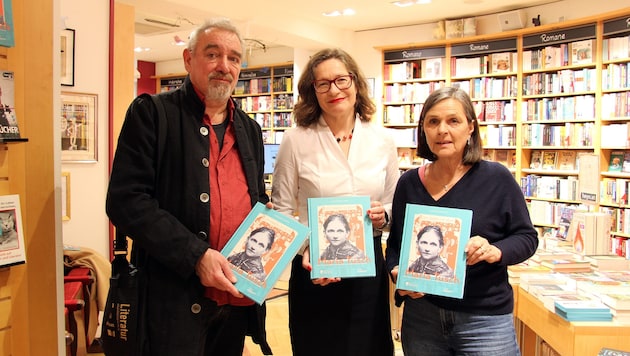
583 310
619 304
608 262
568 265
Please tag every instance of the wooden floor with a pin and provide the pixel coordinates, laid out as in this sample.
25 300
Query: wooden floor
278 331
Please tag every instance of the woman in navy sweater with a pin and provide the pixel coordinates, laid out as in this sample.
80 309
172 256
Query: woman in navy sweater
501 235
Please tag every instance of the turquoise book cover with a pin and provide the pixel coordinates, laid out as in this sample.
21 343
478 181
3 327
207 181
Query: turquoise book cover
262 248
432 258
6 24
341 240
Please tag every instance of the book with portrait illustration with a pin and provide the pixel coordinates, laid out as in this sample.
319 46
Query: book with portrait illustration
432 257
12 251
261 249
341 240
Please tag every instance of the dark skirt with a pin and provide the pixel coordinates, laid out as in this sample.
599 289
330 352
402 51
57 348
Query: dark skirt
347 318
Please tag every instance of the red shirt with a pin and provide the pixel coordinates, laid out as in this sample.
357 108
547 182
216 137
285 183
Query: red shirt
229 197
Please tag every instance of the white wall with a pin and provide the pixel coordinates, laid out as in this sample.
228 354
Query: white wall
88 224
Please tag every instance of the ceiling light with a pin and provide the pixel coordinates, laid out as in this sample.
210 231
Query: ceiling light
141 49
344 12
179 41
423 2
404 3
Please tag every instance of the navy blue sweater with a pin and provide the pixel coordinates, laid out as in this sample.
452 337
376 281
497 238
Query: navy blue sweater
499 214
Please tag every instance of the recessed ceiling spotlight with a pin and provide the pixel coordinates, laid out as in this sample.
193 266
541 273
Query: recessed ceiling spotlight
344 12
403 3
141 49
424 2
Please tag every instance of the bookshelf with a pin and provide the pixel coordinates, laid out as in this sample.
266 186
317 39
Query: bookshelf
615 126
169 82
409 76
543 96
266 94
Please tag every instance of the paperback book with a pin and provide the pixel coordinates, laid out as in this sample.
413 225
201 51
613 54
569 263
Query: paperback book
12 250
550 159
8 120
261 249
536 160
615 163
432 257
341 240
583 310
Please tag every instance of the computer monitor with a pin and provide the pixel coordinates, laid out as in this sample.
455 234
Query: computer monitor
271 150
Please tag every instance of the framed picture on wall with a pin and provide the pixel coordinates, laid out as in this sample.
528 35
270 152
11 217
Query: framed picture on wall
78 127
67 57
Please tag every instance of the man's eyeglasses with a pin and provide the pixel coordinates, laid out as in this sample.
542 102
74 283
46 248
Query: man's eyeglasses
342 82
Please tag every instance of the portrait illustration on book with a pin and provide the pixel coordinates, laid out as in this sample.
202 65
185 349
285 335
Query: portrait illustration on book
338 233
250 259
432 251
261 249
341 241
430 246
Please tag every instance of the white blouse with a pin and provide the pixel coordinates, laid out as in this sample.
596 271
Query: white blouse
310 164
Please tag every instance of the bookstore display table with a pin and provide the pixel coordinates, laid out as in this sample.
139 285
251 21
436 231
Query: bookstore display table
567 338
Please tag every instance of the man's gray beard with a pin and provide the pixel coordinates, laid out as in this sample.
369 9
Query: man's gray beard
218 92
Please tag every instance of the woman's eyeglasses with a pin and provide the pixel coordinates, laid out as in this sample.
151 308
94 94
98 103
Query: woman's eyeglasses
342 82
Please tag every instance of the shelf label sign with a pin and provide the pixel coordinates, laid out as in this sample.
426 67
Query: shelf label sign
484 47
560 36
171 82
414 54
255 73
283 71
617 26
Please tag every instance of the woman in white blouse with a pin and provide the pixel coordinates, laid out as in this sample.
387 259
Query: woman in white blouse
335 151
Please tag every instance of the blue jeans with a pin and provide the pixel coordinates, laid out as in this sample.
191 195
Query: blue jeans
433 331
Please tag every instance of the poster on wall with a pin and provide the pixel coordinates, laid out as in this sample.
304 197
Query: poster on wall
12 250
6 24
78 127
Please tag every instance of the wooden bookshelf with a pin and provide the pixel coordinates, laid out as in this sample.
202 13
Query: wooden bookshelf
550 89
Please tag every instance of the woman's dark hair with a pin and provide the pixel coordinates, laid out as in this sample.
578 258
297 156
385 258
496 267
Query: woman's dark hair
433 228
339 217
474 150
269 231
307 110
